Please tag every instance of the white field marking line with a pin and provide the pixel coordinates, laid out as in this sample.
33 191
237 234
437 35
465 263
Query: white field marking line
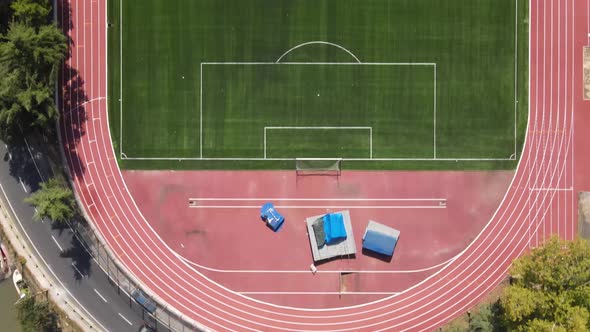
125 319
201 115
434 126
317 293
44 262
33 158
317 199
319 271
371 143
382 207
324 63
370 129
346 159
22 184
516 72
100 295
57 243
318 42
120 79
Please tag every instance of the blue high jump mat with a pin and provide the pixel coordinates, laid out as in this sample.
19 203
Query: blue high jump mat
274 220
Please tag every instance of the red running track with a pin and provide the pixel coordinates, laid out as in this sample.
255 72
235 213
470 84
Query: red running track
539 202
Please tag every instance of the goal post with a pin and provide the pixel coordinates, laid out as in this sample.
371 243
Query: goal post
318 166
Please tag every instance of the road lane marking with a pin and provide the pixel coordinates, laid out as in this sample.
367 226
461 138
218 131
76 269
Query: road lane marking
76 268
33 159
22 184
41 218
57 243
125 319
99 295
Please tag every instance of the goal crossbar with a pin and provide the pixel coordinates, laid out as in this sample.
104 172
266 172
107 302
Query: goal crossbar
318 166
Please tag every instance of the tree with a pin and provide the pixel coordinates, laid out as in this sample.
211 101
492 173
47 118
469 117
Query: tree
29 61
36 316
31 12
550 289
54 201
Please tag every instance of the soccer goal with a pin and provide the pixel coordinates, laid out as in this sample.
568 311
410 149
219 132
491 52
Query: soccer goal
318 166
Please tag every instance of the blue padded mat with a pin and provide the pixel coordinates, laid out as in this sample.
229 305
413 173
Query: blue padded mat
379 242
334 228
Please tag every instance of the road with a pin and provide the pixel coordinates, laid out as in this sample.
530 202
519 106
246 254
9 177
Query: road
57 246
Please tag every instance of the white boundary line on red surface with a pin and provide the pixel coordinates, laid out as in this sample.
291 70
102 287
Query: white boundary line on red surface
316 293
376 207
319 270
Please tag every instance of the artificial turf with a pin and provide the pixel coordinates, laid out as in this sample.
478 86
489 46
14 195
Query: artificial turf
164 43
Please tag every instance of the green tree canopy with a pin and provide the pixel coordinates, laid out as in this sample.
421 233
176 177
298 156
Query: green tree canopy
31 12
30 56
54 201
550 289
36 316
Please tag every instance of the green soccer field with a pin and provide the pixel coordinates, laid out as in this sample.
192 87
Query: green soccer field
384 84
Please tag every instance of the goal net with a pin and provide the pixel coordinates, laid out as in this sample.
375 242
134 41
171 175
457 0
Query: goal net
318 166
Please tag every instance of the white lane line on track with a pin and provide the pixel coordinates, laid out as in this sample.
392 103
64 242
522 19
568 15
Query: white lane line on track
319 271
125 319
100 295
318 293
550 189
57 243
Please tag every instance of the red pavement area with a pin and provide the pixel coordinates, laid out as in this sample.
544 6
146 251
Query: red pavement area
541 199
222 241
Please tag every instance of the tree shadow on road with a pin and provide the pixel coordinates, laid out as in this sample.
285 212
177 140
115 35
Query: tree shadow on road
81 259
